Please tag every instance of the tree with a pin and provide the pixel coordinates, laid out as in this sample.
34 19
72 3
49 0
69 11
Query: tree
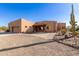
3 28
73 25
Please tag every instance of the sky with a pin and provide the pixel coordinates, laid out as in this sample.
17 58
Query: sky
35 12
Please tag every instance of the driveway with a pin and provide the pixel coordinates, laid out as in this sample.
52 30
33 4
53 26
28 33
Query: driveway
33 45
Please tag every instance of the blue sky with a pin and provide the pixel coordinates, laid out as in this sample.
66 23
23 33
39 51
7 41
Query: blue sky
37 12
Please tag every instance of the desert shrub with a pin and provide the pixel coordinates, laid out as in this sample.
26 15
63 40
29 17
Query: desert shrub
77 29
63 31
3 28
77 32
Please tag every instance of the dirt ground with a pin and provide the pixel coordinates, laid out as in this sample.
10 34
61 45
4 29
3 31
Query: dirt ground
19 45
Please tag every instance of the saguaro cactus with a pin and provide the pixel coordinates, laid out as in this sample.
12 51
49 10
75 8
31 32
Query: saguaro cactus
73 24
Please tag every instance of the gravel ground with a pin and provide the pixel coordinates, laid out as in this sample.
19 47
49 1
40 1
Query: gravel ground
46 49
7 41
71 41
44 35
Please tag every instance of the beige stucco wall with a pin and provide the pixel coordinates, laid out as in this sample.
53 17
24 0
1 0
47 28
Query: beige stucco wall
61 26
21 23
26 26
52 25
15 24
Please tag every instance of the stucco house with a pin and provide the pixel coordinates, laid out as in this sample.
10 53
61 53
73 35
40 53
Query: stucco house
20 25
61 26
45 26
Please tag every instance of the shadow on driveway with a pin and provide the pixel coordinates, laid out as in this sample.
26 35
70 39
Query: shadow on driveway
29 45
39 43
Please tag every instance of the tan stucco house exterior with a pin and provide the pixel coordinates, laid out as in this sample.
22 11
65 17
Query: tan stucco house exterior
61 26
20 25
48 26
45 26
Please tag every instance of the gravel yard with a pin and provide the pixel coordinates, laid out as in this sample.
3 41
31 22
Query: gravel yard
46 49
70 41
7 41
44 35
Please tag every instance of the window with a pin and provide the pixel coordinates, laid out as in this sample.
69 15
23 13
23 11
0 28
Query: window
47 27
17 26
25 26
